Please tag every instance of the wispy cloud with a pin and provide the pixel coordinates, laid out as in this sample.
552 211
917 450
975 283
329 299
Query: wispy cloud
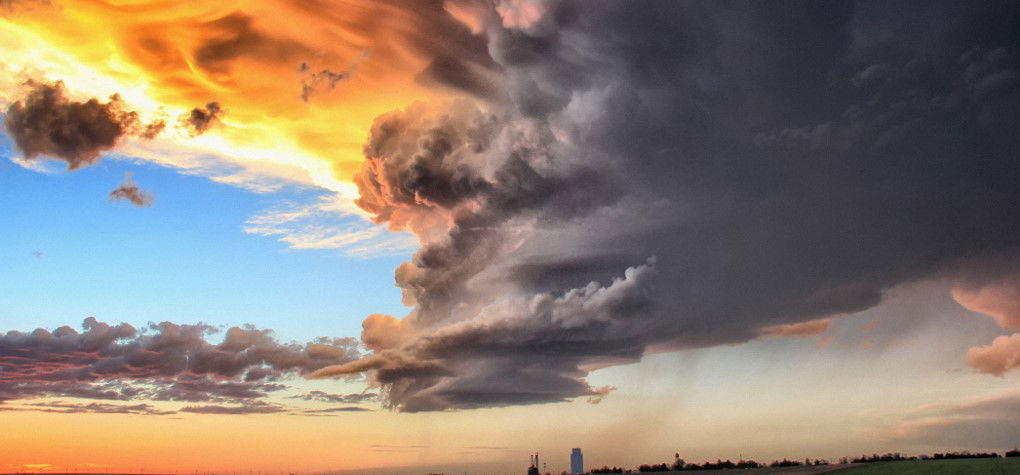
802 329
62 407
330 410
984 421
328 223
322 396
257 407
38 166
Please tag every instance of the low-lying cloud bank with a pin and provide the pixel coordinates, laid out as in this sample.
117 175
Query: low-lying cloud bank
162 362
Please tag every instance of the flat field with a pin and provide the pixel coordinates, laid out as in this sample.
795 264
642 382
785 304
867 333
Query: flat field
996 466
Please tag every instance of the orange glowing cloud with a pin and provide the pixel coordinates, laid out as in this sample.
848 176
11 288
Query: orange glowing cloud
257 60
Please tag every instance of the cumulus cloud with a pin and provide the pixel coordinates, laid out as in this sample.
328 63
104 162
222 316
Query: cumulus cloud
165 362
47 123
200 119
621 133
130 192
1001 356
994 290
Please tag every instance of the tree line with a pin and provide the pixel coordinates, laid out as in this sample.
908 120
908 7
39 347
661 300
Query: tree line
680 465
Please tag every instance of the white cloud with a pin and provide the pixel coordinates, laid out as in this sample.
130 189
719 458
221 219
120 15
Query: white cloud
328 223
38 166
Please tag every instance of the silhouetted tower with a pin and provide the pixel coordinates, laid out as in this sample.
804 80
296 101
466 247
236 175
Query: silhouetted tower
576 461
533 469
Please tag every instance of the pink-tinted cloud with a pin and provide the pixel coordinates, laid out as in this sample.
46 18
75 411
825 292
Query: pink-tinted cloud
800 330
1001 356
1000 300
984 421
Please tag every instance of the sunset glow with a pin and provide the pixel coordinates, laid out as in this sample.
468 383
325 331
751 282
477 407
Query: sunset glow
388 236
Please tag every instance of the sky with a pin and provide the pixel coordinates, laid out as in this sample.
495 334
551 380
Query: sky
388 236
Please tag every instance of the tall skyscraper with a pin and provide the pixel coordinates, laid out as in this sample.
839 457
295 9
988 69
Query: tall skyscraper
576 462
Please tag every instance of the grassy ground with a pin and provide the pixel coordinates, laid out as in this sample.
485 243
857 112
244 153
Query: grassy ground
997 466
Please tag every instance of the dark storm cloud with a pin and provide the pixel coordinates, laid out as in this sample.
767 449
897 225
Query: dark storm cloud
781 165
130 192
165 361
47 123
420 170
469 77
199 120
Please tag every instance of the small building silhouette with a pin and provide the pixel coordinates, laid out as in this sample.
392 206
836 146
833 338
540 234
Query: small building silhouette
576 461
